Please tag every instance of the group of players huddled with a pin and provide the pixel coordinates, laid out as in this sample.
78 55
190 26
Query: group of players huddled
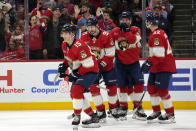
114 58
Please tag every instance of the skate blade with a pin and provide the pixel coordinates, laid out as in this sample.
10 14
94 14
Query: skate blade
167 121
152 121
139 118
75 127
102 120
93 125
123 118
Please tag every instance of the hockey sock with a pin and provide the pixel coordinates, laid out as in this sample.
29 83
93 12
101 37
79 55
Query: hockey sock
87 107
123 96
154 98
166 100
78 98
112 96
138 92
97 98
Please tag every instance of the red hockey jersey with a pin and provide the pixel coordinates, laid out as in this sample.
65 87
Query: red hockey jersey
130 42
103 47
160 52
79 57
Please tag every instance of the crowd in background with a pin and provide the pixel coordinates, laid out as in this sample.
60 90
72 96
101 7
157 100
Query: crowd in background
46 18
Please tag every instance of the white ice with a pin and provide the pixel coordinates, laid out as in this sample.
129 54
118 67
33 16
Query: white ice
56 121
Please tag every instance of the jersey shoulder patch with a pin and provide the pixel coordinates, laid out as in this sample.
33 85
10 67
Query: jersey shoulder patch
156 41
83 54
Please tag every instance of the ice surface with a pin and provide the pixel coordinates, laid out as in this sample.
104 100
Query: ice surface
56 121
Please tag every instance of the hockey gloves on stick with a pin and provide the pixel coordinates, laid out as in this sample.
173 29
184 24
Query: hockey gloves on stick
73 76
61 70
146 66
124 27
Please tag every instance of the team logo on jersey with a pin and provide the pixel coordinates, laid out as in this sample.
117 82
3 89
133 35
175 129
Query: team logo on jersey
97 54
70 64
123 45
94 39
156 41
111 42
83 54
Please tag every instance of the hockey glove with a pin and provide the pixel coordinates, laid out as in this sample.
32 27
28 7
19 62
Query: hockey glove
101 66
61 70
124 27
146 66
73 76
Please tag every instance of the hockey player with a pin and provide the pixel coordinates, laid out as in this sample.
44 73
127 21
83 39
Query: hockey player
82 61
103 47
127 65
161 64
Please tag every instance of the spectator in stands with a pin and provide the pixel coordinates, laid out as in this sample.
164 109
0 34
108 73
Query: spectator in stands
13 52
46 13
95 3
171 17
36 38
18 36
136 8
170 11
81 16
163 22
62 3
5 6
20 11
115 6
2 32
104 19
154 3
21 23
52 42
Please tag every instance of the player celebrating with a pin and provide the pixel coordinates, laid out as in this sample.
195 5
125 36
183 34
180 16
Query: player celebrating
104 49
127 65
161 64
84 67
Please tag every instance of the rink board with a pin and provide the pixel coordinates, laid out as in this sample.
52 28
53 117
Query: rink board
29 86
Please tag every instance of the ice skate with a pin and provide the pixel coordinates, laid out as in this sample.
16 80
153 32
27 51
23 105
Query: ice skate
102 116
114 113
153 118
167 118
76 122
139 114
123 113
93 122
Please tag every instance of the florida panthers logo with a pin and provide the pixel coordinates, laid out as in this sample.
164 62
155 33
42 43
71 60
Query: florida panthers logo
70 65
97 54
123 45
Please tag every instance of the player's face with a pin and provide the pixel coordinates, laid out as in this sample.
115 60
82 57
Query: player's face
67 36
125 20
92 29
148 24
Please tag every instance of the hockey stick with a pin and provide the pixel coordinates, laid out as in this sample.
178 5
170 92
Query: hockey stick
139 102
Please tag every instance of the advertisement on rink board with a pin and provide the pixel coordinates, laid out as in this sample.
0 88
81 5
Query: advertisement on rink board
34 82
